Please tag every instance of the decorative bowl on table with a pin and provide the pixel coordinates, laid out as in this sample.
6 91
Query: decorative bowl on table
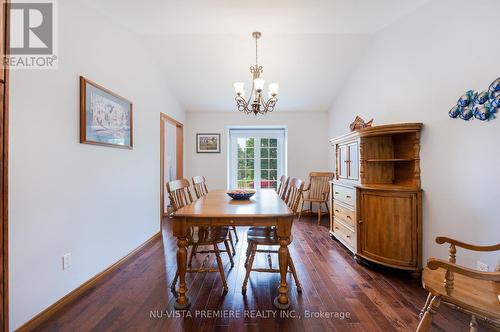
241 194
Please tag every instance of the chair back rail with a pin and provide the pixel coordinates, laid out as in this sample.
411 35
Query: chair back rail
200 186
179 193
294 195
283 186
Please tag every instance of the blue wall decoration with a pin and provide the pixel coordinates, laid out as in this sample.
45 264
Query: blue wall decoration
480 105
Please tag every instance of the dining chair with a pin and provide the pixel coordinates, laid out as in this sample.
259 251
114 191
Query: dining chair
317 192
283 186
180 196
474 292
201 189
267 236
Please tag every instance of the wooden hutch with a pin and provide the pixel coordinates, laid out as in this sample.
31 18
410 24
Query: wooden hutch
376 199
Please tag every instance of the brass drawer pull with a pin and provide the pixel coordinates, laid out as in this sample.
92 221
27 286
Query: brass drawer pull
349 217
348 197
348 236
336 210
360 221
336 193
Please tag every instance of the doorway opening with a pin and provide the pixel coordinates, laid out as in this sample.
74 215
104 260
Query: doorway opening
171 157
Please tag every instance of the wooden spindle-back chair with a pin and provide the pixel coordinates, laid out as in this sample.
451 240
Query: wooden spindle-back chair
477 293
267 236
317 192
180 196
283 186
201 189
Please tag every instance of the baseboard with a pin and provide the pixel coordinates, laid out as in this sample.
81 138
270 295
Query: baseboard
73 295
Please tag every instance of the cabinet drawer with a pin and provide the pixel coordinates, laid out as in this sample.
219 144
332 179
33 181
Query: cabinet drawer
343 194
343 232
344 214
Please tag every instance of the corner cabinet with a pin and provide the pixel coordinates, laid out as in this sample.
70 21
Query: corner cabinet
376 200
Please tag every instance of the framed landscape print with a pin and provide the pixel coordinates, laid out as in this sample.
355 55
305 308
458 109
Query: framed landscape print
208 143
105 117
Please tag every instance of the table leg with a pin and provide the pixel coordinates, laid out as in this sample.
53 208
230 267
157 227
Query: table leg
284 231
182 301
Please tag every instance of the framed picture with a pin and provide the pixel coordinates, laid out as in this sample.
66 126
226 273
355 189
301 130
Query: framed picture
208 143
105 117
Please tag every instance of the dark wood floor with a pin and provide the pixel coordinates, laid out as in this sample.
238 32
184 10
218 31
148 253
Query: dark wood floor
377 299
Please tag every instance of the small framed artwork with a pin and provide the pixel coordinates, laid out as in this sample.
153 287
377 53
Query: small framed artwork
105 117
207 143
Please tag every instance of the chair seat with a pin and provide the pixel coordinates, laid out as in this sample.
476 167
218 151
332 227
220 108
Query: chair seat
263 235
208 235
477 296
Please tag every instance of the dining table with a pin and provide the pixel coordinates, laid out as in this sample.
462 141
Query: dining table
216 208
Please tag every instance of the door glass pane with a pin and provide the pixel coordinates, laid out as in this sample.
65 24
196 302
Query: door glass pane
264 163
245 173
268 166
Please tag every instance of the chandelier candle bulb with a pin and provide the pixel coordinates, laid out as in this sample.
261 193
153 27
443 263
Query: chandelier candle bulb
273 89
238 87
259 84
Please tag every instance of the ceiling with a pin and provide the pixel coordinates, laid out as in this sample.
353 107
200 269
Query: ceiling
308 47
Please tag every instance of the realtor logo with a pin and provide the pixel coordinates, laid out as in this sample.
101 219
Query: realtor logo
32 35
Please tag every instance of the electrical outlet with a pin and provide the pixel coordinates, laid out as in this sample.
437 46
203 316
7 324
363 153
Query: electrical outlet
482 266
67 261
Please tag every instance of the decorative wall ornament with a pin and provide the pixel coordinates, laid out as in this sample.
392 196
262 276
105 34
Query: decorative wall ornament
359 123
480 105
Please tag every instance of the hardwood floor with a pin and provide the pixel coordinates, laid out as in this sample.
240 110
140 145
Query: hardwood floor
375 298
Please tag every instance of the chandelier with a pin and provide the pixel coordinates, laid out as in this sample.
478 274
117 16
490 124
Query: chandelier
256 103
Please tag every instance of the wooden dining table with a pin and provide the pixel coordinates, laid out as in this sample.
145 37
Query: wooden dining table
216 208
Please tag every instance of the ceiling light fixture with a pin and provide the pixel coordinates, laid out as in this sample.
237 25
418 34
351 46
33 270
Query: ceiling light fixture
256 102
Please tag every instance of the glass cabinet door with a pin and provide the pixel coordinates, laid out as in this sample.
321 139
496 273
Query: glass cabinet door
353 161
342 161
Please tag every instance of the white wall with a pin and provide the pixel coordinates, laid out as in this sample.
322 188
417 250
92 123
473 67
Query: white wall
414 71
99 203
307 142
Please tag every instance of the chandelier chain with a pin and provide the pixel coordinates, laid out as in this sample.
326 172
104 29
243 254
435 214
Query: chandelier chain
256 54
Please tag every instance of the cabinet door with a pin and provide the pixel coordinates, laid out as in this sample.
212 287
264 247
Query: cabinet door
342 162
388 227
353 161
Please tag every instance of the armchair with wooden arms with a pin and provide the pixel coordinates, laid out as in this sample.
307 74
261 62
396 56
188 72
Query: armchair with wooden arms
474 292
317 192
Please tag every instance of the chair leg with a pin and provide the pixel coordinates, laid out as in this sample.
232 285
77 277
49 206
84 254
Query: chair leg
473 324
294 273
221 267
194 248
232 244
226 244
319 214
174 282
235 233
249 250
300 211
426 322
426 305
253 250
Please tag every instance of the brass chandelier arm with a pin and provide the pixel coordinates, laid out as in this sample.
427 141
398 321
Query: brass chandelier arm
262 108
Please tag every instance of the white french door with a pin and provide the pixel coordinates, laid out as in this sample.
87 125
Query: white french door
257 157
